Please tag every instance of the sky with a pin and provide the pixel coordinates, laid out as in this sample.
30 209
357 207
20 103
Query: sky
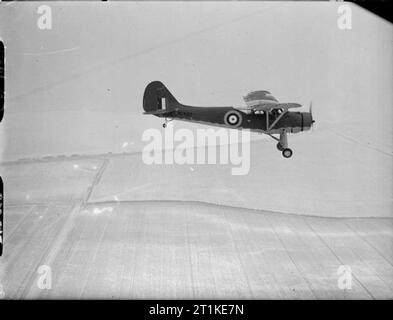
98 58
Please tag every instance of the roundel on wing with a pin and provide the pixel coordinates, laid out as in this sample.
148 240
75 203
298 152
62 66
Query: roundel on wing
233 118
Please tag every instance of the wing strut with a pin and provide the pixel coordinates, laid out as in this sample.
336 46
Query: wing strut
275 121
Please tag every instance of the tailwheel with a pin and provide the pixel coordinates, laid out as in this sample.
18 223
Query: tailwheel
287 153
279 147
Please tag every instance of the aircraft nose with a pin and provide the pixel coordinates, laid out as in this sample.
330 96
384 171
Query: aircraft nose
307 120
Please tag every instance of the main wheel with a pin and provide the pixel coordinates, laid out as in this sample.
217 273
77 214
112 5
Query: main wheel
164 125
279 147
287 153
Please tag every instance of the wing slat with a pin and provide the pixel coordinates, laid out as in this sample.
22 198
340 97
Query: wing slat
270 106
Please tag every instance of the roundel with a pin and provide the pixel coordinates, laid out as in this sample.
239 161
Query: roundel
233 118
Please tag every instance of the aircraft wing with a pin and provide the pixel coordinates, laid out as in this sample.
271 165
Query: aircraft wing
270 106
262 100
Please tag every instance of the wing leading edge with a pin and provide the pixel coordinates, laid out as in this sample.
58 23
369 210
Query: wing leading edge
263 101
270 106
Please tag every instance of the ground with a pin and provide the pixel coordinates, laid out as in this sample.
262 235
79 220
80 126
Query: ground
86 218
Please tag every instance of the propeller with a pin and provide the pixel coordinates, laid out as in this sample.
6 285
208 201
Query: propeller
310 111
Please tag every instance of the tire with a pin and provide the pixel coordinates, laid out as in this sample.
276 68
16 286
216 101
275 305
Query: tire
233 118
279 147
287 153
164 125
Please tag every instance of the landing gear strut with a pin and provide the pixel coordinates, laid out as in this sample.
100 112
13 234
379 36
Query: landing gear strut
282 145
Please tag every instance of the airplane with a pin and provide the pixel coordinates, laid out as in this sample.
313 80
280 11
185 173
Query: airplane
262 113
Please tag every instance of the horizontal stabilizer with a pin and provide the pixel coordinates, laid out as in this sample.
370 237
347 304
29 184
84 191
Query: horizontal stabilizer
158 111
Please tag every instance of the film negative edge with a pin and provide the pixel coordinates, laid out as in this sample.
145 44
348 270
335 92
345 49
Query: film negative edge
2 79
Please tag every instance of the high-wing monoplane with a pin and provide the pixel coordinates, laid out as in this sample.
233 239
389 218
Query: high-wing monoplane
262 113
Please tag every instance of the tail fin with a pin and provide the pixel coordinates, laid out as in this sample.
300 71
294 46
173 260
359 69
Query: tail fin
158 99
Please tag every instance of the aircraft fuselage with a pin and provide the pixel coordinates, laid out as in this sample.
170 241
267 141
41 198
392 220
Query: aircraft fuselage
291 121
